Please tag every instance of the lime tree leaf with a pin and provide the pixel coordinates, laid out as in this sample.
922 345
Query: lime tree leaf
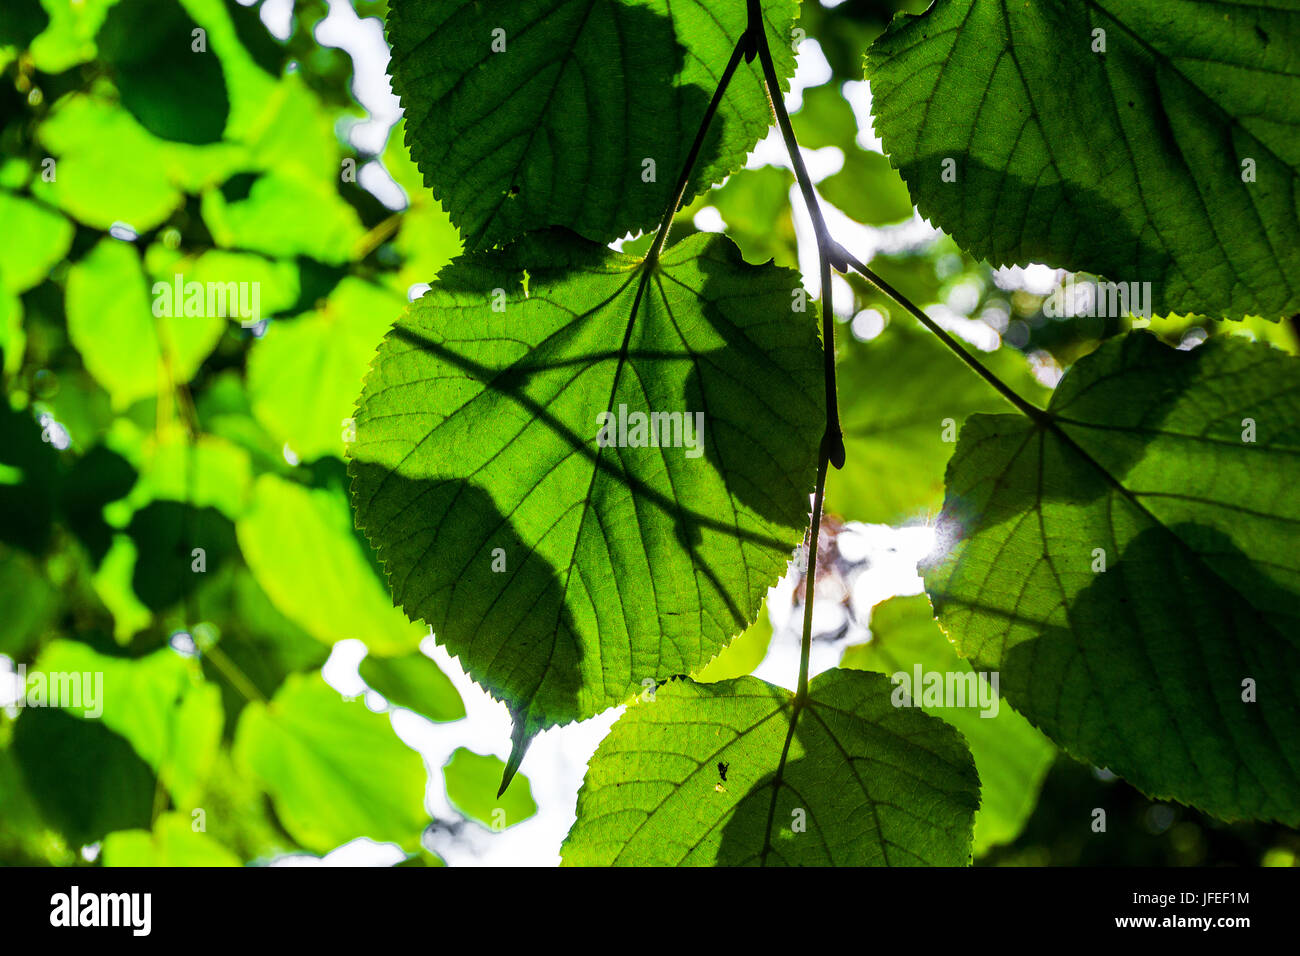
172 842
472 783
303 374
1131 568
299 544
111 321
335 770
563 572
286 215
416 683
558 126
902 396
699 776
159 704
35 237
1169 157
1011 756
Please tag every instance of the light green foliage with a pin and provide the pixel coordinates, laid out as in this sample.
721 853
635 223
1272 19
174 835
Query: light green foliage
334 770
472 783
299 543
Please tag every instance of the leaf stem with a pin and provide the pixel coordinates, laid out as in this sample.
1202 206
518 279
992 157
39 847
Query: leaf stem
827 248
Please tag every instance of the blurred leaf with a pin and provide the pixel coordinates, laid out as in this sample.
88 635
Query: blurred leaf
167 535
334 770
172 842
305 373
286 215
175 91
111 322
114 787
416 683
34 238
901 395
299 544
159 704
688 778
1129 563
1010 755
472 783
29 603
867 189
755 205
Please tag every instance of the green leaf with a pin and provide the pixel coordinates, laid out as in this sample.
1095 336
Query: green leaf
556 129
472 782
34 239
149 175
300 545
1174 472
1127 162
159 704
1011 756
334 770
111 322
864 782
303 374
114 789
176 92
172 842
416 683
565 574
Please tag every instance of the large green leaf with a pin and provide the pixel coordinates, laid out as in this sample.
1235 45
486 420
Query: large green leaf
1127 162
700 775
1011 756
1131 562
565 574
555 129
335 771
